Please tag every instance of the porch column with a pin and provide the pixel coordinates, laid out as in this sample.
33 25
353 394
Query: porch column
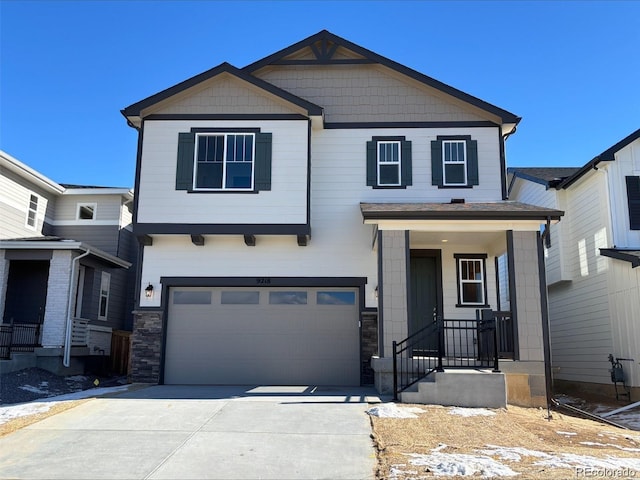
526 376
146 345
395 251
58 285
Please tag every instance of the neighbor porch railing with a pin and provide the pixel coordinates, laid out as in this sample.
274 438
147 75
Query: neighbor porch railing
452 343
18 337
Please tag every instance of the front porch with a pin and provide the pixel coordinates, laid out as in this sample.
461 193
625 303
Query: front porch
440 267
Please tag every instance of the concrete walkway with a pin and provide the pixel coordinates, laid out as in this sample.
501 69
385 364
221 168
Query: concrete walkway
179 432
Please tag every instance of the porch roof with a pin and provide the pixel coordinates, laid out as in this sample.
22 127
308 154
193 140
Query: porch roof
458 217
628 255
57 243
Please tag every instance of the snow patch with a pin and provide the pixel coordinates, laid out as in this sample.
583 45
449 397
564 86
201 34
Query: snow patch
12 412
452 464
568 434
38 390
471 412
391 410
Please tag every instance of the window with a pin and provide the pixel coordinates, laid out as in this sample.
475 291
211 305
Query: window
240 298
472 286
336 298
191 297
633 201
454 161
389 162
105 286
224 161
32 213
287 298
86 211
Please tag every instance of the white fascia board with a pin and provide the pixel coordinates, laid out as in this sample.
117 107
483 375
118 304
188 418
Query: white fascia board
125 192
459 226
29 173
63 245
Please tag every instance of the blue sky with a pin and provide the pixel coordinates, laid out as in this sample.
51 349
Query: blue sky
569 69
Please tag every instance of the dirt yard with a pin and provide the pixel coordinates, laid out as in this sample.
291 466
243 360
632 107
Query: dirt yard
502 444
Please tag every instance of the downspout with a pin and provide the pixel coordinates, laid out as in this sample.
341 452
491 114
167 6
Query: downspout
70 303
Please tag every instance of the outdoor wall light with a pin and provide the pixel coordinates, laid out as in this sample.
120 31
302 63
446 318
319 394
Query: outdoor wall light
375 292
148 292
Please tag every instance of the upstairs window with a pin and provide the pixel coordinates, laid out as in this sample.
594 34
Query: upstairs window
472 282
32 212
219 161
454 161
224 161
389 162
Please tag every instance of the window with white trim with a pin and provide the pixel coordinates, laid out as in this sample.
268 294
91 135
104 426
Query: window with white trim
454 162
32 213
105 288
86 211
224 161
472 284
388 163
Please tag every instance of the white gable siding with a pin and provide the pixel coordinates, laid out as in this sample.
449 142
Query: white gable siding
160 202
579 311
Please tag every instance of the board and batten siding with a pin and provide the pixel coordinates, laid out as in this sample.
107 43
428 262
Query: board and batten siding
581 334
285 203
15 194
369 93
627 163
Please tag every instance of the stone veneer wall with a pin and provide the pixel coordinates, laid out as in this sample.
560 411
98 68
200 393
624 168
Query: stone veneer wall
369 345
146 346
58 285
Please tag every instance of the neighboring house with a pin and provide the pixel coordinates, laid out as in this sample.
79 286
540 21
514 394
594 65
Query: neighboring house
65 253
593 285
302 213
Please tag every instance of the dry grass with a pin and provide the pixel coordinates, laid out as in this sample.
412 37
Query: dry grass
516 427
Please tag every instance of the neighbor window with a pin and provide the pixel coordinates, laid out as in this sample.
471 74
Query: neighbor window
454 161
633 201
472 286
389 162
105 287
32 213
86 211
220 160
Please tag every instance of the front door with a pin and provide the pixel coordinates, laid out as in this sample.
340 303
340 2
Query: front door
26 291
425 290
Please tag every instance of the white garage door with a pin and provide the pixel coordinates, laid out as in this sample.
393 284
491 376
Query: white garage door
260 336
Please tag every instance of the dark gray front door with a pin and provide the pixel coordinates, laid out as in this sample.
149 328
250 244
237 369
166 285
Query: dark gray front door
26 291
425 292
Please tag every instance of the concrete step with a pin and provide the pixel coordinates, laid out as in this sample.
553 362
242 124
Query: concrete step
462 388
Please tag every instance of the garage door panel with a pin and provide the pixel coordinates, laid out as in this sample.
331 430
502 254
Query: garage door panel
270 342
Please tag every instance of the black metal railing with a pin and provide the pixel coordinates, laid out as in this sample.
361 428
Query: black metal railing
415 357
452 343
18 337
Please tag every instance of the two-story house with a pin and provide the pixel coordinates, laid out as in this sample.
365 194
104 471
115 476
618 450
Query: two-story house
593 285
299 215
65 282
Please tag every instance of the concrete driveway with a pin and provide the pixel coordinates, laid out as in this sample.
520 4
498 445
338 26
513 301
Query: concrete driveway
187 432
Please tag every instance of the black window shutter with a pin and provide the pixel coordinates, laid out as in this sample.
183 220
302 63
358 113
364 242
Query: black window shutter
263 162
184 167
405 164
633 200
372 158
472 162
436 162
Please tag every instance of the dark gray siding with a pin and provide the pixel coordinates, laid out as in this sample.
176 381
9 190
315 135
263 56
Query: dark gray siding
104 237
